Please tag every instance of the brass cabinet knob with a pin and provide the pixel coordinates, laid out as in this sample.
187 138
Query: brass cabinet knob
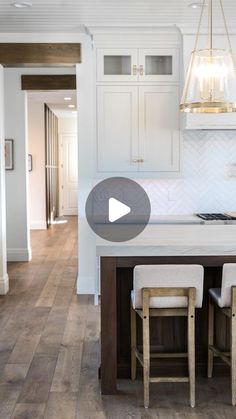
135 70
141 70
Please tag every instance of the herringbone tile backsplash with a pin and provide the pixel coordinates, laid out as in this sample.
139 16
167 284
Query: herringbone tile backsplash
205 185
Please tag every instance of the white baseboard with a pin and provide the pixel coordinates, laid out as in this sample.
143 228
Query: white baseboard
4 284
19 255
72 212
85 285
38 225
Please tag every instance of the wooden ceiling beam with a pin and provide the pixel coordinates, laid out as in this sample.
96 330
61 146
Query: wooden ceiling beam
48 82
40 54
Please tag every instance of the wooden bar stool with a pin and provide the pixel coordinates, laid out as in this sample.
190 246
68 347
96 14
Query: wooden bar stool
224 299
165 290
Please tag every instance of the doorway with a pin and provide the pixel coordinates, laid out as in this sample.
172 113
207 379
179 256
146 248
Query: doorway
52 148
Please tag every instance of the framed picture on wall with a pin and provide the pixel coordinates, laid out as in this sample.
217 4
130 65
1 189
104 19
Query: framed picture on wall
30 163
9 157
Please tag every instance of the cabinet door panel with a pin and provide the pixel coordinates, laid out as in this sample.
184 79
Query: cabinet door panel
159 129
117 113
160 65
117 64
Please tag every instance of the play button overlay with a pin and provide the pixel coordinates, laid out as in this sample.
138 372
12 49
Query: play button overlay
118 209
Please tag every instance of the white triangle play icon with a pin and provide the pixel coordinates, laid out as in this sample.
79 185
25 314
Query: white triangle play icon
117 210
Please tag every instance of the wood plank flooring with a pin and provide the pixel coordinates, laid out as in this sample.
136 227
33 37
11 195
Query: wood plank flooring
50 353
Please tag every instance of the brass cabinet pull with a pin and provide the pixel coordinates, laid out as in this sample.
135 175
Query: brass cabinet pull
137 160
141 70
135 70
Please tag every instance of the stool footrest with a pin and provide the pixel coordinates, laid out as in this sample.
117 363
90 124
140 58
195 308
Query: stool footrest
169 355
162 355
164 312
169 380
223 355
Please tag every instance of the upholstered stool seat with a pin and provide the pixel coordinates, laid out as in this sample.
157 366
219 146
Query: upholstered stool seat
224 299
165 290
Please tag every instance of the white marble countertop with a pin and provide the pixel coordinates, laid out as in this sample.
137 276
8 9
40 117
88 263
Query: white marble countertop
175 219
175 240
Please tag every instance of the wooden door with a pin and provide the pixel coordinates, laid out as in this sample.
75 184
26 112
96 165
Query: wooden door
69 176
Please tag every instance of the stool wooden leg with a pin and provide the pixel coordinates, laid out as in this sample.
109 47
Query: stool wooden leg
146 348
233 346
191 345
210 338
133 343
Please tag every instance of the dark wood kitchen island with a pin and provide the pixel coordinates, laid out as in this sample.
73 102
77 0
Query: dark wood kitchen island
210 246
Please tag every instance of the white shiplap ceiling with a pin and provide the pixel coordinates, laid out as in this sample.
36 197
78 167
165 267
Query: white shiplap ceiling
70 15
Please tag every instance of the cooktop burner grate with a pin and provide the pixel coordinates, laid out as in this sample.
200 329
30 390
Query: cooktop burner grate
215 217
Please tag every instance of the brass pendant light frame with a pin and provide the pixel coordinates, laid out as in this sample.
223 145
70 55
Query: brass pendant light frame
207 106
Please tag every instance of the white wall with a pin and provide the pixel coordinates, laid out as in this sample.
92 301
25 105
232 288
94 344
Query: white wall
18 241
67 125
4 282
36 147
86 160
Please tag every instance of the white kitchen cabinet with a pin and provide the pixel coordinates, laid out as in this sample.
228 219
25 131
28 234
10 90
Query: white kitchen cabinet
159 131
158 65
117 128
138 129
143 65
119 64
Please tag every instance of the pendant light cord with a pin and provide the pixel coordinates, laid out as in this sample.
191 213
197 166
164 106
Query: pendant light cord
199 25
225 25
210 26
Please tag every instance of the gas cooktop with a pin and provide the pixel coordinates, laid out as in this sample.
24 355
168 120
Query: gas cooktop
215 217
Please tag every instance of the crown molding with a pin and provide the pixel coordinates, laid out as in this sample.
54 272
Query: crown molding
132 29
219 30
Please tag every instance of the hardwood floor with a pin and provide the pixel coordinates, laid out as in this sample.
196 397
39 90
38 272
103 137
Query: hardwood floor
49 349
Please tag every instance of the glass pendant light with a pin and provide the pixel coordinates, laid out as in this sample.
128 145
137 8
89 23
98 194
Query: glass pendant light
210 85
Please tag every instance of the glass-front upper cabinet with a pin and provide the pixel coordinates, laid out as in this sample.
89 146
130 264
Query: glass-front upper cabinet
160 65
117 64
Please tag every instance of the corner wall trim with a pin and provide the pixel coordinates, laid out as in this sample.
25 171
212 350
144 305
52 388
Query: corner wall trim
38 225
4 284
19 255
85 285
